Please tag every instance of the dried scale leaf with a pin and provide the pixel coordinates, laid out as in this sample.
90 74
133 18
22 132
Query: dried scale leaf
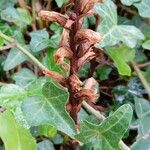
91 84
64 39
87 5
87 35
75 86
53 16
85 38
90 90
89 55
56 76
61 54
75 83
64 51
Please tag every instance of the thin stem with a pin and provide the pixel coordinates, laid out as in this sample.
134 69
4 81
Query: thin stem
99 116
36 61
141 77
143 65
33 10
2 83
91 110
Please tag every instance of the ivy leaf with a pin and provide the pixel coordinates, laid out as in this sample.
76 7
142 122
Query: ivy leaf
7 3
129 2
45 145
146 45
9 95
121 56
24 77
40 40
143 8
15 56
103 72
49 109
19 16
107 134
12 96
60 2
20 138
142 143
6 29
47 130
113 33
142 109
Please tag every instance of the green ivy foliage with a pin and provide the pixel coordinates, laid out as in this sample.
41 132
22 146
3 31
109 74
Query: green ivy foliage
36 105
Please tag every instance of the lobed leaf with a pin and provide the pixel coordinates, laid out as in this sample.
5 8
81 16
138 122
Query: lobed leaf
15 56
20 17
144 8
49 109
39 40
107 134
111 32
24 77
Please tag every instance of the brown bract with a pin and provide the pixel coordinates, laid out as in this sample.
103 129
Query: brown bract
75 83
56 76
89 55
85 39
64 39
89 92
87 35
61 54
53 16
87 5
